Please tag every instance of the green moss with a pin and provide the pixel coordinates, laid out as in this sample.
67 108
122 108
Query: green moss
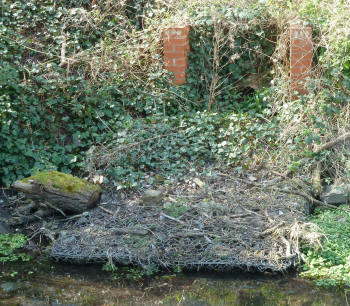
62 181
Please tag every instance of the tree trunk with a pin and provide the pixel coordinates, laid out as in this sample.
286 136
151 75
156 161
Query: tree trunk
77 201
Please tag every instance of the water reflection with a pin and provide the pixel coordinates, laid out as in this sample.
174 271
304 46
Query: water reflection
62 284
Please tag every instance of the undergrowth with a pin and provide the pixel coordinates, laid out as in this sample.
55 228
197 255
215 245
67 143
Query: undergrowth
329 265
170 146
83 90
80 77
75 76
10 248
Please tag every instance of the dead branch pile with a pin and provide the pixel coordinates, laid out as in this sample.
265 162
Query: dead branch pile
225 223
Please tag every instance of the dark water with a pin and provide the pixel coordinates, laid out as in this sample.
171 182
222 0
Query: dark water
63 284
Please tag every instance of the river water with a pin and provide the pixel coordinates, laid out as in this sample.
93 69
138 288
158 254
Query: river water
47 283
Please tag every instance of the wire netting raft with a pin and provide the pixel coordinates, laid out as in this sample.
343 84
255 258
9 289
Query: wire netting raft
229 224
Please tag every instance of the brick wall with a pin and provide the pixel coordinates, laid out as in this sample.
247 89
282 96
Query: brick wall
176 46
300 59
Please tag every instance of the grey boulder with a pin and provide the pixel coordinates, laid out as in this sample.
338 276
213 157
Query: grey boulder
152 197
336 194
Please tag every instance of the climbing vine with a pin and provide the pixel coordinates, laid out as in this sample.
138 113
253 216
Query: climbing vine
73 75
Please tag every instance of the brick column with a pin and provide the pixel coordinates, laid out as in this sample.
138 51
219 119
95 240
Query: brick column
176 45
300 59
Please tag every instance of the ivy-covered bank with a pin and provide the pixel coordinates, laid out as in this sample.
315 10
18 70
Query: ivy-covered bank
83 91
75 75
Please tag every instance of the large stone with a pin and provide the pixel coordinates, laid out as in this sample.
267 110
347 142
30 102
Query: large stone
336 194
152 198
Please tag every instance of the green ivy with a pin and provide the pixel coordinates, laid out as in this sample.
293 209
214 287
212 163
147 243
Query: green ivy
245 50
169 146
51 115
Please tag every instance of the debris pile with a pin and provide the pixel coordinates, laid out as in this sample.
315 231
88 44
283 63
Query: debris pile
225 221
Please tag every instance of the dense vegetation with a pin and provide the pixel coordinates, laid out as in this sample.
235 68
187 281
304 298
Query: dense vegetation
330 263
75 77
83 89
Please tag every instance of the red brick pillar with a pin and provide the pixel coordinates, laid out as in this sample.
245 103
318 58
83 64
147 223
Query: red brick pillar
176 45
300 59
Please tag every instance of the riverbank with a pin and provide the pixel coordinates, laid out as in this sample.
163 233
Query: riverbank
250 221
226 220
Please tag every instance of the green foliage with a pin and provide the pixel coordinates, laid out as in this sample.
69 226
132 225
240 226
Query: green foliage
330 264
227 45
176 209
127 273
51 112
10 245
49 117
111 87
44 124
169 146
322 114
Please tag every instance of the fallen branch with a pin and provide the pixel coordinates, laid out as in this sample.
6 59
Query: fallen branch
207 239
71 218
240 215
171 218
303 194
194 234
332 143
288 247
307 197
54 208
123 231
286 177
106 210
271 230
107 158
316 181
